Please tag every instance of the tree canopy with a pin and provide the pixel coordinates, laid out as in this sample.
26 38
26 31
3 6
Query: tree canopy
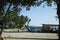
18 5
15 6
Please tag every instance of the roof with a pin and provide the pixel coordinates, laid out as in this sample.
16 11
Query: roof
50 24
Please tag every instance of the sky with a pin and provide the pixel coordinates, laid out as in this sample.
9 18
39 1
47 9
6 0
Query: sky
40 15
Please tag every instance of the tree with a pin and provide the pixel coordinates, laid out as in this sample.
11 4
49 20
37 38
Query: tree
19 4
56 18
57 2
14 20
27 26
13 5
23 20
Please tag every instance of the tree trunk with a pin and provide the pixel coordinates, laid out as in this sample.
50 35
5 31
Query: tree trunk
1 32
58 13
59 28
4 21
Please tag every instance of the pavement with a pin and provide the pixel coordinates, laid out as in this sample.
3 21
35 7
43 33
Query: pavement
28 36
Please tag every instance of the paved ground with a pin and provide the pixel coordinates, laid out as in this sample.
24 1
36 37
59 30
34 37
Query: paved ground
30 39
28 36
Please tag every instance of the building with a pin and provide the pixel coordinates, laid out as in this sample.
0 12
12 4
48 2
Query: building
50 27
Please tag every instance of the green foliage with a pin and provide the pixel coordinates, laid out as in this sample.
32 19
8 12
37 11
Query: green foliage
23 20
21 3
9 9
17 20
49 2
